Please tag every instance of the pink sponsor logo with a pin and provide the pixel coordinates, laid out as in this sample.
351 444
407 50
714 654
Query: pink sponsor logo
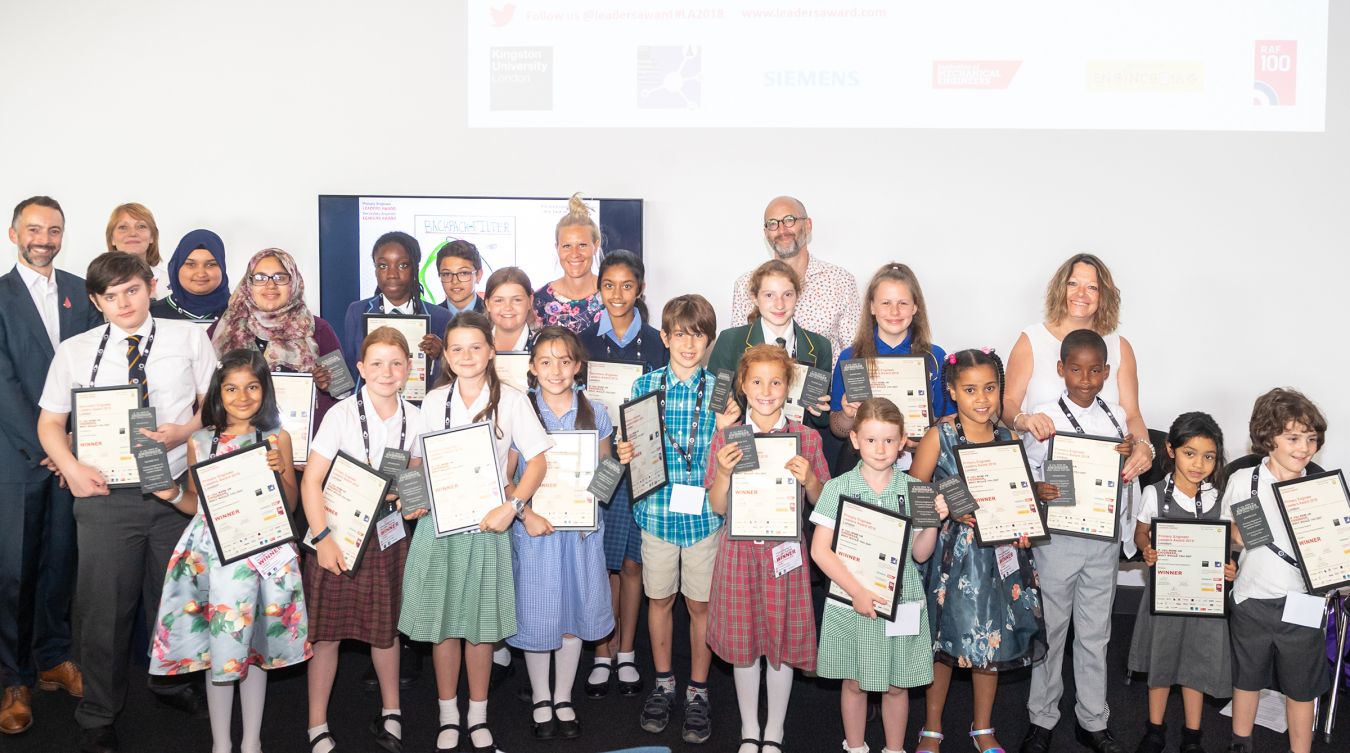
974 74
1276 80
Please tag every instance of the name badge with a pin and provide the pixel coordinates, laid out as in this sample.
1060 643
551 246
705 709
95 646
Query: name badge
787 557
391 530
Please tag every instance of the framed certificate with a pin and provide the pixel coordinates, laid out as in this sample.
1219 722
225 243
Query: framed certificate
463 476
100 420
765 504
642 424
242 502
873 543
904 381
353 501
1316 513
513 368
999 479
1097 487
562 497
611 382
1188 577
296 396
414 327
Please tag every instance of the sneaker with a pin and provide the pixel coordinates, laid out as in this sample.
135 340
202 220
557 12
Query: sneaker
697 719
656 709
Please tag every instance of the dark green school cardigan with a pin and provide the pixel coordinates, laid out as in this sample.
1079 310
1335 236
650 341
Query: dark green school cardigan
812 349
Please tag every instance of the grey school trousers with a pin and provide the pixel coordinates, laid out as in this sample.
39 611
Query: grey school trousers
1078 582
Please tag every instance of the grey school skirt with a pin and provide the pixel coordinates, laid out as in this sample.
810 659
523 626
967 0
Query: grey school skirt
1193 652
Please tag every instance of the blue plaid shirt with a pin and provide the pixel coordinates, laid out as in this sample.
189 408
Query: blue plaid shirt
653 512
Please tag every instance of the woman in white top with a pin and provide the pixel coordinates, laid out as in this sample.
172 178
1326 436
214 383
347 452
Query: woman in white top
1081 295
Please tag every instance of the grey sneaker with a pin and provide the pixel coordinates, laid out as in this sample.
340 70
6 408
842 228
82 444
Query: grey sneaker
697 718
656 709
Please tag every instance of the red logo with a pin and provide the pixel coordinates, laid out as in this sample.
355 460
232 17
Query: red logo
66 304
1276 79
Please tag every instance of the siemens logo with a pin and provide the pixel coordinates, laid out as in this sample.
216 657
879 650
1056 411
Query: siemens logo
811 78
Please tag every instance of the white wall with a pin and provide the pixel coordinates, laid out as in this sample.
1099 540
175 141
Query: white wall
1230 247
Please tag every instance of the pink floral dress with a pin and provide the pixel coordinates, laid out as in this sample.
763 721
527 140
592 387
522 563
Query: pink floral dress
226 617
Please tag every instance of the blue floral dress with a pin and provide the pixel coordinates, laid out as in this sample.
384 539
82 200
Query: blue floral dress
575 315
226 617
978 618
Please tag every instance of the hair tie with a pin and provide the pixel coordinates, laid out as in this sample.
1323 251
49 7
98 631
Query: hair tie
987 350
951 358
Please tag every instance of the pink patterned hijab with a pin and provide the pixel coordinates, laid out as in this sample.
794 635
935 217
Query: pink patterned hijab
289 331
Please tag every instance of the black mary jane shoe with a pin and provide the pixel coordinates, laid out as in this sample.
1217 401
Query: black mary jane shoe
765 744
628 688
383 737
599 689
459 741
473 748
545 730
568 729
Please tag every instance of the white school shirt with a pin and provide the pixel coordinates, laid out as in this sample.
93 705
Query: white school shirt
1150 503
180 367
1046 384
341 430
515 418
1261 572
1095 422
522 342
42 288
789 335
389 308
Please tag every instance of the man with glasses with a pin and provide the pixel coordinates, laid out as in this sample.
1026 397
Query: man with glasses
828 301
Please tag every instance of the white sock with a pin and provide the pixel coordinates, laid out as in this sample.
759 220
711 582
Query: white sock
888 750
747 698
628 674
863 749
327 745
600 670
478 715
565 675
536 664
449 715
220 704
391 726
778 683
502 656
252 698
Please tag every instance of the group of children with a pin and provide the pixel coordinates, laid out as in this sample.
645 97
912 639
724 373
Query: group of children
517 580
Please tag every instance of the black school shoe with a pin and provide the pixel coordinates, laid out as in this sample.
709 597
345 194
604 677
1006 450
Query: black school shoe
1155 740
628 688
599 689
1101 741
656 709
546 730
98 740
568 729
1037 739
383 737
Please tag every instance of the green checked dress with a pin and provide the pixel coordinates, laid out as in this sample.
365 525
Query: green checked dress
853 647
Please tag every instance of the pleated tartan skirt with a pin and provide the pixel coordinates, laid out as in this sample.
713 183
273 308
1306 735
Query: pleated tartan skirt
363 606
752 614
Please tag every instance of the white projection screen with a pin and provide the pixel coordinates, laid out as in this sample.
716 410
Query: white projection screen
1221 65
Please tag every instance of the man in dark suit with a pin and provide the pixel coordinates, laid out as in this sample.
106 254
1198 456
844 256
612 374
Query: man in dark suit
41 306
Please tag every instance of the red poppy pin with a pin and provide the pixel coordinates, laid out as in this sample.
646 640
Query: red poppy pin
66 304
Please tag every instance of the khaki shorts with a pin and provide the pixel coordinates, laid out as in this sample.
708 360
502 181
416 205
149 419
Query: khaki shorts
668 568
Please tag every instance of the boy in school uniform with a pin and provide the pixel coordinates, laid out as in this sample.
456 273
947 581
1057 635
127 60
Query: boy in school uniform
1288 429
680 533
125 537
1077 575
460 269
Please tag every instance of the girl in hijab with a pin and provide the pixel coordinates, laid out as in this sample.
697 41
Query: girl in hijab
199 286
268 312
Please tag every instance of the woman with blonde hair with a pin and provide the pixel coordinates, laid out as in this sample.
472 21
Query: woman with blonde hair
573 300
131 228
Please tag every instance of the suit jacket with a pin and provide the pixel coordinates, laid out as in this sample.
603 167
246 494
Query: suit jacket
812 349
25 355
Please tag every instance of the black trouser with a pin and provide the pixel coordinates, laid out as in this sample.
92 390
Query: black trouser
37 578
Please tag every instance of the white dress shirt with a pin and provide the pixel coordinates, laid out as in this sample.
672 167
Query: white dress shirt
43 290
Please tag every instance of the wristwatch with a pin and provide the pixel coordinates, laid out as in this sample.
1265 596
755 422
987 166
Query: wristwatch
519 506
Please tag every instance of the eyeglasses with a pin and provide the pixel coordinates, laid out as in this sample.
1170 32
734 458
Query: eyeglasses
786 221
278 279
463 275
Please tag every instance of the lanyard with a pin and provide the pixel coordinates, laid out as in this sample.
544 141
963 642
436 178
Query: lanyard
1169 502
137 374
1078 427
186 314
961 431
365 430
215 441
451 396
1278 551
687 451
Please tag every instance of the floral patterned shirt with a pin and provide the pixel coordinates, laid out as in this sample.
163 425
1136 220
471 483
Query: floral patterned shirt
575 315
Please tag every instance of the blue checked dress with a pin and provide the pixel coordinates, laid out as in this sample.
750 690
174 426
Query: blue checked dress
562 586
225 617
978 618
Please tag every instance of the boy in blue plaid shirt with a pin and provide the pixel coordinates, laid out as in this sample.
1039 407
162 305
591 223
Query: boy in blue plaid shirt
680 534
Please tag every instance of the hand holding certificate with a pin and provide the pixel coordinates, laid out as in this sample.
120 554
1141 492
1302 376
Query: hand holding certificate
463 476
563 498
872 544
901 379
1187 579
413 328
1316 512
242 502
999 479
353 499
1096 487
642 425
611 382
100 419
764 504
